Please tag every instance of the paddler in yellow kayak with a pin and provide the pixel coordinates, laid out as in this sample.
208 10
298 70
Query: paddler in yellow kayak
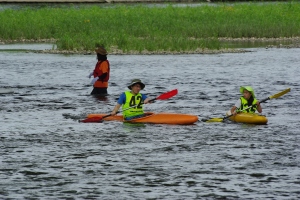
134 99
248 99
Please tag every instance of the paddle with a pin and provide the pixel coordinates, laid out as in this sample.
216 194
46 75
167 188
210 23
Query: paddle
264 100
163 96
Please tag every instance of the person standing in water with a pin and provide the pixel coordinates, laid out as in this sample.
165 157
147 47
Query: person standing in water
248 99
101 73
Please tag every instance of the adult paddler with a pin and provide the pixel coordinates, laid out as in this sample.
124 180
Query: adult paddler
101 72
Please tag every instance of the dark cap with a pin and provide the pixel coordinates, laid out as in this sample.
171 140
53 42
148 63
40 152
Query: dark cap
101 51
136 81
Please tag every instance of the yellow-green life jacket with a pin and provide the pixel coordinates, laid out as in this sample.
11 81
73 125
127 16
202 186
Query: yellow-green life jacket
132 100
244 104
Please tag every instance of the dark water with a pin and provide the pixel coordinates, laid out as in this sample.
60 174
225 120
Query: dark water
47 154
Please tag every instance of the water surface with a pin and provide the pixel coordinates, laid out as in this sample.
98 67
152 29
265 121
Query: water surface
46 153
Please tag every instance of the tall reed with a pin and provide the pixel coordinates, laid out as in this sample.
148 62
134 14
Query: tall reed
153 28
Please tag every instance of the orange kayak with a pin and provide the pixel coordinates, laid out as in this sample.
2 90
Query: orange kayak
249 118
154 118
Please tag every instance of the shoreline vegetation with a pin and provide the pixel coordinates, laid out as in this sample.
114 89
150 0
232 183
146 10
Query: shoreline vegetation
294 42
144 29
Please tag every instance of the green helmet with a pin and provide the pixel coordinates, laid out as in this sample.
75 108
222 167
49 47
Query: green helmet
248 88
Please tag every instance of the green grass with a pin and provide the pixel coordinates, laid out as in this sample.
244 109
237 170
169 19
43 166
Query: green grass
138 28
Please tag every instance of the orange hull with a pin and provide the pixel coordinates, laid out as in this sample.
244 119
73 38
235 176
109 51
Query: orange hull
248 118
154 118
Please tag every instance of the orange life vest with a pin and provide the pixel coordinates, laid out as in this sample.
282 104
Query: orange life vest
98 72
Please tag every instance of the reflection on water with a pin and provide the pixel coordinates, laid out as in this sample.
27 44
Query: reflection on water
100 97
131 127
46 152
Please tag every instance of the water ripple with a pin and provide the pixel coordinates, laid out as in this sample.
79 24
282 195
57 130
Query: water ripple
46 153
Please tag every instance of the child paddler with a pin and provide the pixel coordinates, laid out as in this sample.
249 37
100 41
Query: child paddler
132 98
248 99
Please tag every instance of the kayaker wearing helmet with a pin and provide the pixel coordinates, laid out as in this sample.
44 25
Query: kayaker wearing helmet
248 99
132 98
100 73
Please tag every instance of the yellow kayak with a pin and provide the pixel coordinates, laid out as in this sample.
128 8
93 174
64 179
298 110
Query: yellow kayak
249 118
153 118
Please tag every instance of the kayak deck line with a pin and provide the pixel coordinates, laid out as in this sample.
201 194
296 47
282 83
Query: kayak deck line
154 118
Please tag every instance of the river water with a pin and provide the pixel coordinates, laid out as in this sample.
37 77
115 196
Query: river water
47 154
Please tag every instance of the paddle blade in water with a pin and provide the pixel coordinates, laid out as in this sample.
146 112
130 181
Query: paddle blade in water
280 93
92 120
167 95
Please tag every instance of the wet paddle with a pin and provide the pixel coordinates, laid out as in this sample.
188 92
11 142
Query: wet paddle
163 96
264 100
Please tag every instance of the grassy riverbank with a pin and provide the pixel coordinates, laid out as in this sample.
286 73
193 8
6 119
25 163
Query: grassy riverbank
168 28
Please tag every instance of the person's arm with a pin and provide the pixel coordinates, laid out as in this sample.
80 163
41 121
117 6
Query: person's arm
104 69
116 108
237 104
259 108
103 76
121 100
147 100
91 74
98 78
232 110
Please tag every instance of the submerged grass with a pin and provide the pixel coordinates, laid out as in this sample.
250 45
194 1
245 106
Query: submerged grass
160 28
